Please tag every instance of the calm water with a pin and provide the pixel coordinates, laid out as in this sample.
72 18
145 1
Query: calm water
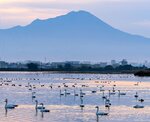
67 108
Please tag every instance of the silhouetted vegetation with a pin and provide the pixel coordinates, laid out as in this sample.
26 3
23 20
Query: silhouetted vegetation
143 73
80 68
32 66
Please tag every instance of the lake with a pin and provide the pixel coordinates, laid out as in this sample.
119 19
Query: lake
20 87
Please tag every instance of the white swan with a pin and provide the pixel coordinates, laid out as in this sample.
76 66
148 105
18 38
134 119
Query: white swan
107 103
104 97
121 93
100 113
81 105
81 93
61 94
75 94
9 106
111 93
141 100
66 93
38 107
94 91
101 89
136 95
138 106
33 95
44 110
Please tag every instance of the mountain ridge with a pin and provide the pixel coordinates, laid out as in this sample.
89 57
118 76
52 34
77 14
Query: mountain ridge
72 12
76 35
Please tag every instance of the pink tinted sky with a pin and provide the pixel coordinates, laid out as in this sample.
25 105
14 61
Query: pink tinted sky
127 15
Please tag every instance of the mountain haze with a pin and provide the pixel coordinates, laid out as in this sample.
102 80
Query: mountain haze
74 36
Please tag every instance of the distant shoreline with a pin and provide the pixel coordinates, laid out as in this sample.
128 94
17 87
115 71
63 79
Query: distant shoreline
69 72
137 73
83 69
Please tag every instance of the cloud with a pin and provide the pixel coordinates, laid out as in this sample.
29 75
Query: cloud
22 16
22 12
56 3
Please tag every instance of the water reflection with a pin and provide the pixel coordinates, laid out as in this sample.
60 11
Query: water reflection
97 118
6 110
36 112
42 114
70 97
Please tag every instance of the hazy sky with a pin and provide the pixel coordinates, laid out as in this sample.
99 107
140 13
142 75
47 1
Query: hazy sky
128 15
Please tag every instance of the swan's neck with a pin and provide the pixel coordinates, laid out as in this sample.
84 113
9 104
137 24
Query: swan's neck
81 101
6 104
36 105
97 110
65 91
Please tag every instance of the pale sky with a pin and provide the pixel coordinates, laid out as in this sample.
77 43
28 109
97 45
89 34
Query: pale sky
131 16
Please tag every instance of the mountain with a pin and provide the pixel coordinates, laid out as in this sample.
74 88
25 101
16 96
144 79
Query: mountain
74 36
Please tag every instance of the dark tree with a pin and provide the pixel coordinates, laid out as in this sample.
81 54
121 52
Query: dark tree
108 68
32 66
68 66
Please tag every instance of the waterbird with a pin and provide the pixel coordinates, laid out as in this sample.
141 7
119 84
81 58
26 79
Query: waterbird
81 105
100 113
81 93
33 95
37 106
101 89
138 106
111 93
136 95
104 97
9 106
75 94
141 100
44 109
107 103
61 94
66 93
121 93
93 91
113 89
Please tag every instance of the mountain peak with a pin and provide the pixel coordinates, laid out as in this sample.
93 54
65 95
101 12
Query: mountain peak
80 12
72 18
76 35
72 13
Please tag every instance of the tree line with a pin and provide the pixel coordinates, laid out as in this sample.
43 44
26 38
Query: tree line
83 68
